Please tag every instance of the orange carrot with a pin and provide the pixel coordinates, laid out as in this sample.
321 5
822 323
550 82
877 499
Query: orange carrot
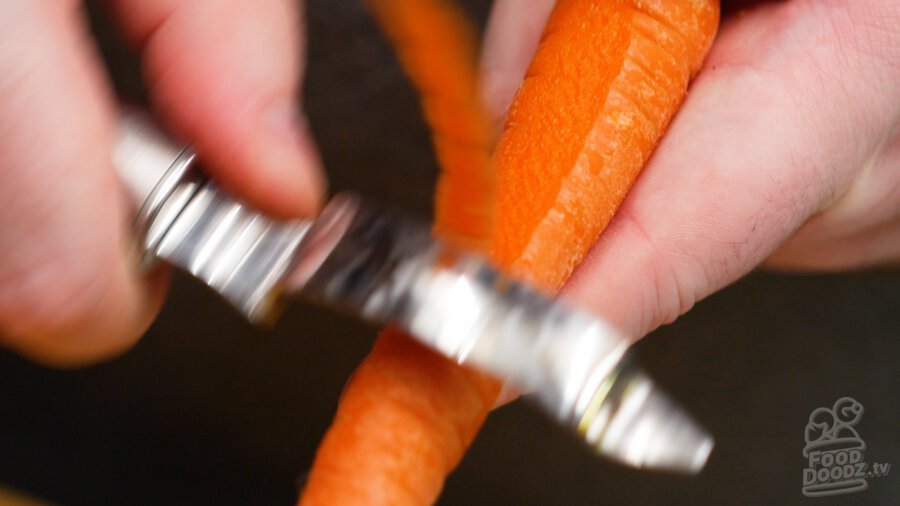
403 423
437 48
393 441
606 79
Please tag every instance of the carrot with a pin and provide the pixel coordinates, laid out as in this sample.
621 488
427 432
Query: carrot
605 81
403 423
437 48
393 441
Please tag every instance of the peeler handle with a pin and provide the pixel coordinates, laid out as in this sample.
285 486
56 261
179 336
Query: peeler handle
186 220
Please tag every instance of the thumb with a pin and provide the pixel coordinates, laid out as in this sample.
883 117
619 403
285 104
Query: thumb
772 132
224 75
70 290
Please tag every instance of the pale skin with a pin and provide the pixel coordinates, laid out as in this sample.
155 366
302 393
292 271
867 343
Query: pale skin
786 152
223 75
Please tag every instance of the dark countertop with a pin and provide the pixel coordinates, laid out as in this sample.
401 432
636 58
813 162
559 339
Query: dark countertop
207 410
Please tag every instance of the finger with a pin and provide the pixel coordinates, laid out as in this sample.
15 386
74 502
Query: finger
510 40
70 292
224 75
772 132
870 247
862 229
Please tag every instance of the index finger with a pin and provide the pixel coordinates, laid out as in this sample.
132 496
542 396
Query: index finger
766 138
225 76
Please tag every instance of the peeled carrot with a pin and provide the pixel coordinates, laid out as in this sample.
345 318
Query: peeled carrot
605 81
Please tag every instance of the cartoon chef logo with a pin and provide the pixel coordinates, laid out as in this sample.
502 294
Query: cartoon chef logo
834 451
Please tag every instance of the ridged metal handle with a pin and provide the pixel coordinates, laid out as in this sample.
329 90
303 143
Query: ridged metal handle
192 224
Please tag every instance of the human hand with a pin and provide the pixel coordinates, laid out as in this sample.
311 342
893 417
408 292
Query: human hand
223 75
786 152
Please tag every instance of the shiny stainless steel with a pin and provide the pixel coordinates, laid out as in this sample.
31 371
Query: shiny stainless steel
387 267
156 174
383 266
240 253
631 420
190 223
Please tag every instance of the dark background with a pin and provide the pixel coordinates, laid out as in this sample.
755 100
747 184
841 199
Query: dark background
208 410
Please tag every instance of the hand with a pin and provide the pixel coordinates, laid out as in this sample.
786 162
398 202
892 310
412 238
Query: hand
223 76
786 151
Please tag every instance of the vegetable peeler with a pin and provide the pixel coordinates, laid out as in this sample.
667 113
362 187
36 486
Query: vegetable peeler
385 267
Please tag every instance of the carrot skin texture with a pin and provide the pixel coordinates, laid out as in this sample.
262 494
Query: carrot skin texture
437 48
588 115
592 107
393 441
